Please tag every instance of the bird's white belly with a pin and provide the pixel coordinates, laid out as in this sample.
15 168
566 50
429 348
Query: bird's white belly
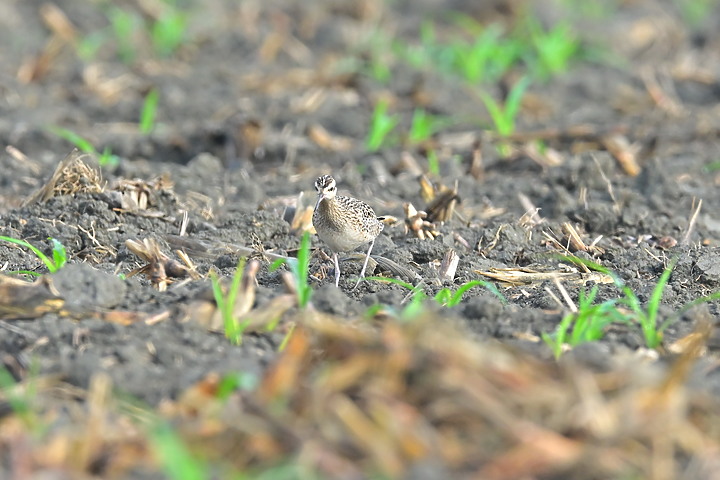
339 242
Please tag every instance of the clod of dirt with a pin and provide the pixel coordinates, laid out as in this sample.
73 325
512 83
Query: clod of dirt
709 265
85 288
332 300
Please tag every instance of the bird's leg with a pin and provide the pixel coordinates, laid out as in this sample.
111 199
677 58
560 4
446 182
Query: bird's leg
337 269
367 258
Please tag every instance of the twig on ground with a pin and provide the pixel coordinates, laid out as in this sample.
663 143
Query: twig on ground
691 224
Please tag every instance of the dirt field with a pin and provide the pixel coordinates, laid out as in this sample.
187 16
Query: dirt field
108 376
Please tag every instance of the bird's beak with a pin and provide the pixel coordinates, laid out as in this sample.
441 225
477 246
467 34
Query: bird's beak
321 196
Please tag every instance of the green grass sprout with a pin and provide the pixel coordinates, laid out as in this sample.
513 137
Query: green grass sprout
381 125
59 254
299 267
433 163
174 457
419 56
652 332
377 57
591 320
82 144
231 382
555 48
424 125
105 159
445 297
713 297
481 54
415 306
594 9
127 30
588 324
417 296
234 329
558 339
149 111
168 32
485 59
503 116
89 45
694 12
646 318
124 24
287 336
712 166
21 398
448 298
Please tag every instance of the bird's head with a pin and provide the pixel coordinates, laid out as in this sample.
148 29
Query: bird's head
326 188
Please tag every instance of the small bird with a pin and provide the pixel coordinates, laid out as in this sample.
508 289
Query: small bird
343 223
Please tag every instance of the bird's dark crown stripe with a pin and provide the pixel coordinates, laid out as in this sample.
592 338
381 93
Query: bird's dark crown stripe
323 182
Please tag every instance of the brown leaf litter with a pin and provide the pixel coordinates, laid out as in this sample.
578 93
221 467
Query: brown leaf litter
345 399
72 175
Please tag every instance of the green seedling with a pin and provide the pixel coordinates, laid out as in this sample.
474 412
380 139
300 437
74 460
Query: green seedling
411 310
299 268
379 70
424 125
503 116
89 45
645 318
713 297
72 137
124 25
59 254
433 163
168 32
105 159
373 57
377 57
588 324
286 339
127 29
122 29
419 56
174 457
554 49
21 398
446 297
381 125
149 111
477 54
694 12
234 329
594 9
558 339
232 382
485 59
652 332
712 166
